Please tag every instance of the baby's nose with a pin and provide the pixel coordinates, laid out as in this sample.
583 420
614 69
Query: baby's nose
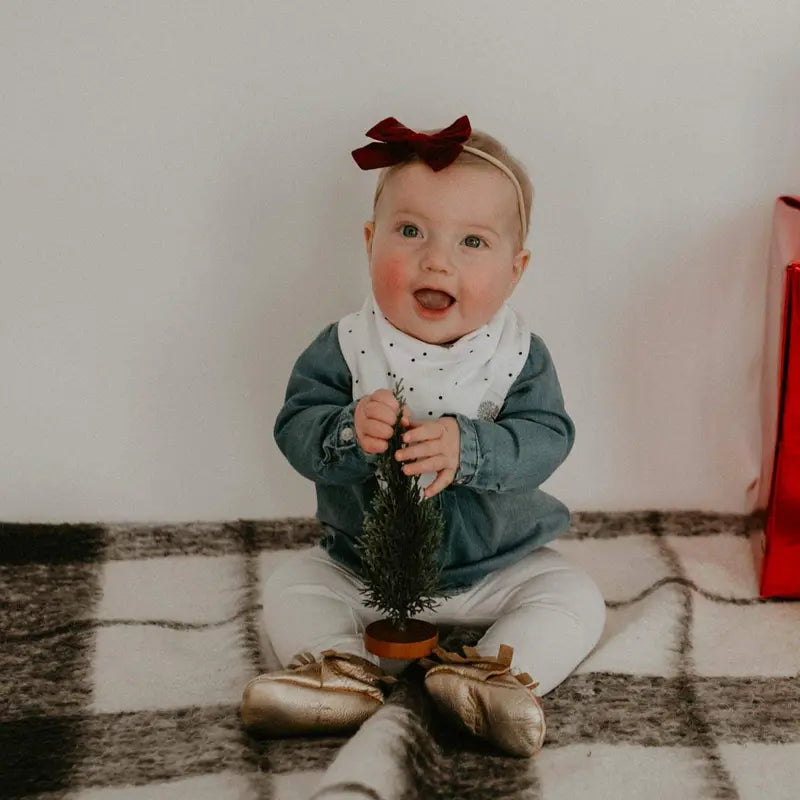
435 259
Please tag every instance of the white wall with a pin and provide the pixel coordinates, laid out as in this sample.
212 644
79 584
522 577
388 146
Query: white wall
179 215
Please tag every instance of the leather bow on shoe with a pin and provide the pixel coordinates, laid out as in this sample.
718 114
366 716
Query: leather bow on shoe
501 663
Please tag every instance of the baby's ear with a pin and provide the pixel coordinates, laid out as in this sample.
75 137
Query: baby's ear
520 264
369 232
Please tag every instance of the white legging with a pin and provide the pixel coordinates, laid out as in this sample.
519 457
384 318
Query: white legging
548 610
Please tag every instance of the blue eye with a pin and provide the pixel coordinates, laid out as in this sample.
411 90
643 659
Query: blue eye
409 231
472 241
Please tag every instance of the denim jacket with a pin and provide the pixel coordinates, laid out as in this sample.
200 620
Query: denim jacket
494 511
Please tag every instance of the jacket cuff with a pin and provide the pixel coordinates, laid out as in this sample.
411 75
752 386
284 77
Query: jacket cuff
342 443
470 450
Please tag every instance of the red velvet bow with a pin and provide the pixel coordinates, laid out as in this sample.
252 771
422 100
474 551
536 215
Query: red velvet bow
438 150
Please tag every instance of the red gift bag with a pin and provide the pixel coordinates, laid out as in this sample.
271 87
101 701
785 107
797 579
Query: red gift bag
780 568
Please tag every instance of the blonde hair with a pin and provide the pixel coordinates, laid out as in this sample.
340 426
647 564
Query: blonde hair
487 144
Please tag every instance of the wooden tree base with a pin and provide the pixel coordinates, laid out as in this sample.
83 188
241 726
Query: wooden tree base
416 641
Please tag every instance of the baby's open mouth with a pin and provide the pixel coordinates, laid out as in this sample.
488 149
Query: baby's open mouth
433 299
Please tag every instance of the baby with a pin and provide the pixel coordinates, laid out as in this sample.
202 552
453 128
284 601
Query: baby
485 426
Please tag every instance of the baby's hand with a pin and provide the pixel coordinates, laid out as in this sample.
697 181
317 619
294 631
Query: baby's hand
374 419
432 447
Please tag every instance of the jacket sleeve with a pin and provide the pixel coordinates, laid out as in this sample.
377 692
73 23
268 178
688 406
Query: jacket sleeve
529 439
315 429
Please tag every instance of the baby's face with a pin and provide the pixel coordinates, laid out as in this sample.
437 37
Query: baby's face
443 249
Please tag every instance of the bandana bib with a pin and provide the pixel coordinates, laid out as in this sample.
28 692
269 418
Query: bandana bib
472 376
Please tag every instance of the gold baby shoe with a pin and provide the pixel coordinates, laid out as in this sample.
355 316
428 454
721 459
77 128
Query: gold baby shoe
482 696
334 694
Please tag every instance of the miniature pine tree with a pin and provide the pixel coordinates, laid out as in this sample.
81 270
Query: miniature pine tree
401 537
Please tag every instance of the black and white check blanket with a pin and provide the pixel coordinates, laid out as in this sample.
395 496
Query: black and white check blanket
124 650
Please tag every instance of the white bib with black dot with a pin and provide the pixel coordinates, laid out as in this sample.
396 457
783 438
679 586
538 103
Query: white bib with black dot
471 376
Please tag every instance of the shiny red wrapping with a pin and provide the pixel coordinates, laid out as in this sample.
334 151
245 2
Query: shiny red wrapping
780 571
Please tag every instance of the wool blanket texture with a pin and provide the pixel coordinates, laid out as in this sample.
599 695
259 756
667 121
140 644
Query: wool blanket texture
124 649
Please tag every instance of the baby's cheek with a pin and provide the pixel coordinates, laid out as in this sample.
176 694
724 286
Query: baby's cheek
477 288
389 280
482 296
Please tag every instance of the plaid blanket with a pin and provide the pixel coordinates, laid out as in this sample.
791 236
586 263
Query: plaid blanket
125 649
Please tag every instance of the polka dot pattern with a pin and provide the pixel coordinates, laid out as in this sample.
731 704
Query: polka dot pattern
468 376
